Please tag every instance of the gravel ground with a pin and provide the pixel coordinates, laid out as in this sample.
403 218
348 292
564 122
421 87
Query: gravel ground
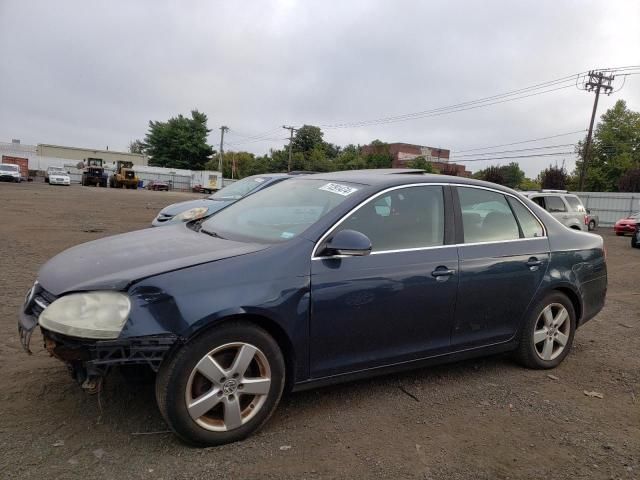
477 419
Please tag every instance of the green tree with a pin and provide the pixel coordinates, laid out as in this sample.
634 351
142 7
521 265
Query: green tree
528 184
555 178
630 181
493 174
615 148
512 175
379 156
180 142
137 146
421 163
306 139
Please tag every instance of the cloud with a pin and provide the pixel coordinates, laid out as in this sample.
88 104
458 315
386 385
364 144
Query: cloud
94 73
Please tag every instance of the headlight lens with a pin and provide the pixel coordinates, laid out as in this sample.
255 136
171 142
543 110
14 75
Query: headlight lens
99 315
192 214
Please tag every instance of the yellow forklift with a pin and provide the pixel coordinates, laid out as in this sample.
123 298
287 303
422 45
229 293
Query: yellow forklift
124 177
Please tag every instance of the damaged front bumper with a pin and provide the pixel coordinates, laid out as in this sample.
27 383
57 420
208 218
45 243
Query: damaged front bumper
89 360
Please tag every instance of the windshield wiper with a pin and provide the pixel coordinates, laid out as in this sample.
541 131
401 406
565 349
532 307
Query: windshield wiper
212 234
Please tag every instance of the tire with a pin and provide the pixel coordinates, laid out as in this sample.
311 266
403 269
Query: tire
634 241
549 351
619 234
179 382
592 225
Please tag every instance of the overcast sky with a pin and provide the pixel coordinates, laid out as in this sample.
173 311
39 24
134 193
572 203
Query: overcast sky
93 74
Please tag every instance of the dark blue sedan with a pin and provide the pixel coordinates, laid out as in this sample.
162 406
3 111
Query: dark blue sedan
319 279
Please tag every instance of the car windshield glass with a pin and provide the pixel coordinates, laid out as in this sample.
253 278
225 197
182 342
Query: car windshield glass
9 168
56 170
279 213
239 189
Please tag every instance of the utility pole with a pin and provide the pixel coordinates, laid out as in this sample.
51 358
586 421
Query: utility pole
222 130
291 130
597 81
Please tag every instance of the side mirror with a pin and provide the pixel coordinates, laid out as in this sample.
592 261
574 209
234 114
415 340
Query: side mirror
348 242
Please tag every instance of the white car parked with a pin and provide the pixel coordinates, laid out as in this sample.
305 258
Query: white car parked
564 206
10 172
57 176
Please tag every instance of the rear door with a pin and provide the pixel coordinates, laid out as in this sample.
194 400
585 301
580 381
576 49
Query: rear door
504 253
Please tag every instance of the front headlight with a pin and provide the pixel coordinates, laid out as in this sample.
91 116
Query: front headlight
99 315
192 214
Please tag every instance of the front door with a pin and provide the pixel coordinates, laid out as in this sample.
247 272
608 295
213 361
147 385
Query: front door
395 304
503 254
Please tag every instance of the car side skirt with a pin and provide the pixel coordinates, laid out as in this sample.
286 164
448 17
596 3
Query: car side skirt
405 366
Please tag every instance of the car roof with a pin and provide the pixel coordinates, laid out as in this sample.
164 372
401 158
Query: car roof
391 177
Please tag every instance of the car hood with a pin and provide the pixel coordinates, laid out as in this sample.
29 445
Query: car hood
212 205
113 263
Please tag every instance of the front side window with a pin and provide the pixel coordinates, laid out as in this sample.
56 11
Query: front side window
6 167
280 212
555 204
409 217
486 216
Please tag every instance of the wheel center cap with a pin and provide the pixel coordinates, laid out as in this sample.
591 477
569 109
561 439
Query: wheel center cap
230 386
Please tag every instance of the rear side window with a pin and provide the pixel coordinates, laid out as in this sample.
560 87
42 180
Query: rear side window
486 216
411 217
555 204
574 203
529 225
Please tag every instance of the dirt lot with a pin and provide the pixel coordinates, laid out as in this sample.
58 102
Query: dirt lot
478 419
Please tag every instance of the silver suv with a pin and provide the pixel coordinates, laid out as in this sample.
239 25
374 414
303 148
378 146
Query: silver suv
565 206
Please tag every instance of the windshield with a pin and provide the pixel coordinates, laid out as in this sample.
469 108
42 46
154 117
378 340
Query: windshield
239 189
57 170
278 213
8 168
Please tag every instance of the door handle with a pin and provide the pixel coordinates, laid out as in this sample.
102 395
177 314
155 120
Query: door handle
442 273
533 263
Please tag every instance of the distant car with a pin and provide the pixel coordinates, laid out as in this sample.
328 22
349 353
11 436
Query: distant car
194 209
564 206
57 176
10 173
593 220
158 186
627 224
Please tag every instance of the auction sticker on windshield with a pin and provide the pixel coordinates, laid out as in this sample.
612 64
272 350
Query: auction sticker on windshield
343 190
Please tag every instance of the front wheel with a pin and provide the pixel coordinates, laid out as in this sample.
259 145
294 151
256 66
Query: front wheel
547 335
634 241
222 386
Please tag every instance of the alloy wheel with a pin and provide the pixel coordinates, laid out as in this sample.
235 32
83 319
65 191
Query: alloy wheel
552 331
228 386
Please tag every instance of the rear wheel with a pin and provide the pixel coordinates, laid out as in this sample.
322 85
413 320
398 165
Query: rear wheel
547 335
222 386
619 234
634 241
592 225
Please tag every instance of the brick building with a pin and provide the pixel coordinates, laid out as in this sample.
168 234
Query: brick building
403 153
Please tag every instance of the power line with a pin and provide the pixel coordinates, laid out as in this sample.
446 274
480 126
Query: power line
519 142
569 80
516 150
555 154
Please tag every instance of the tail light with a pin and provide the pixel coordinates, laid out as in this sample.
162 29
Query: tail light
586 220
